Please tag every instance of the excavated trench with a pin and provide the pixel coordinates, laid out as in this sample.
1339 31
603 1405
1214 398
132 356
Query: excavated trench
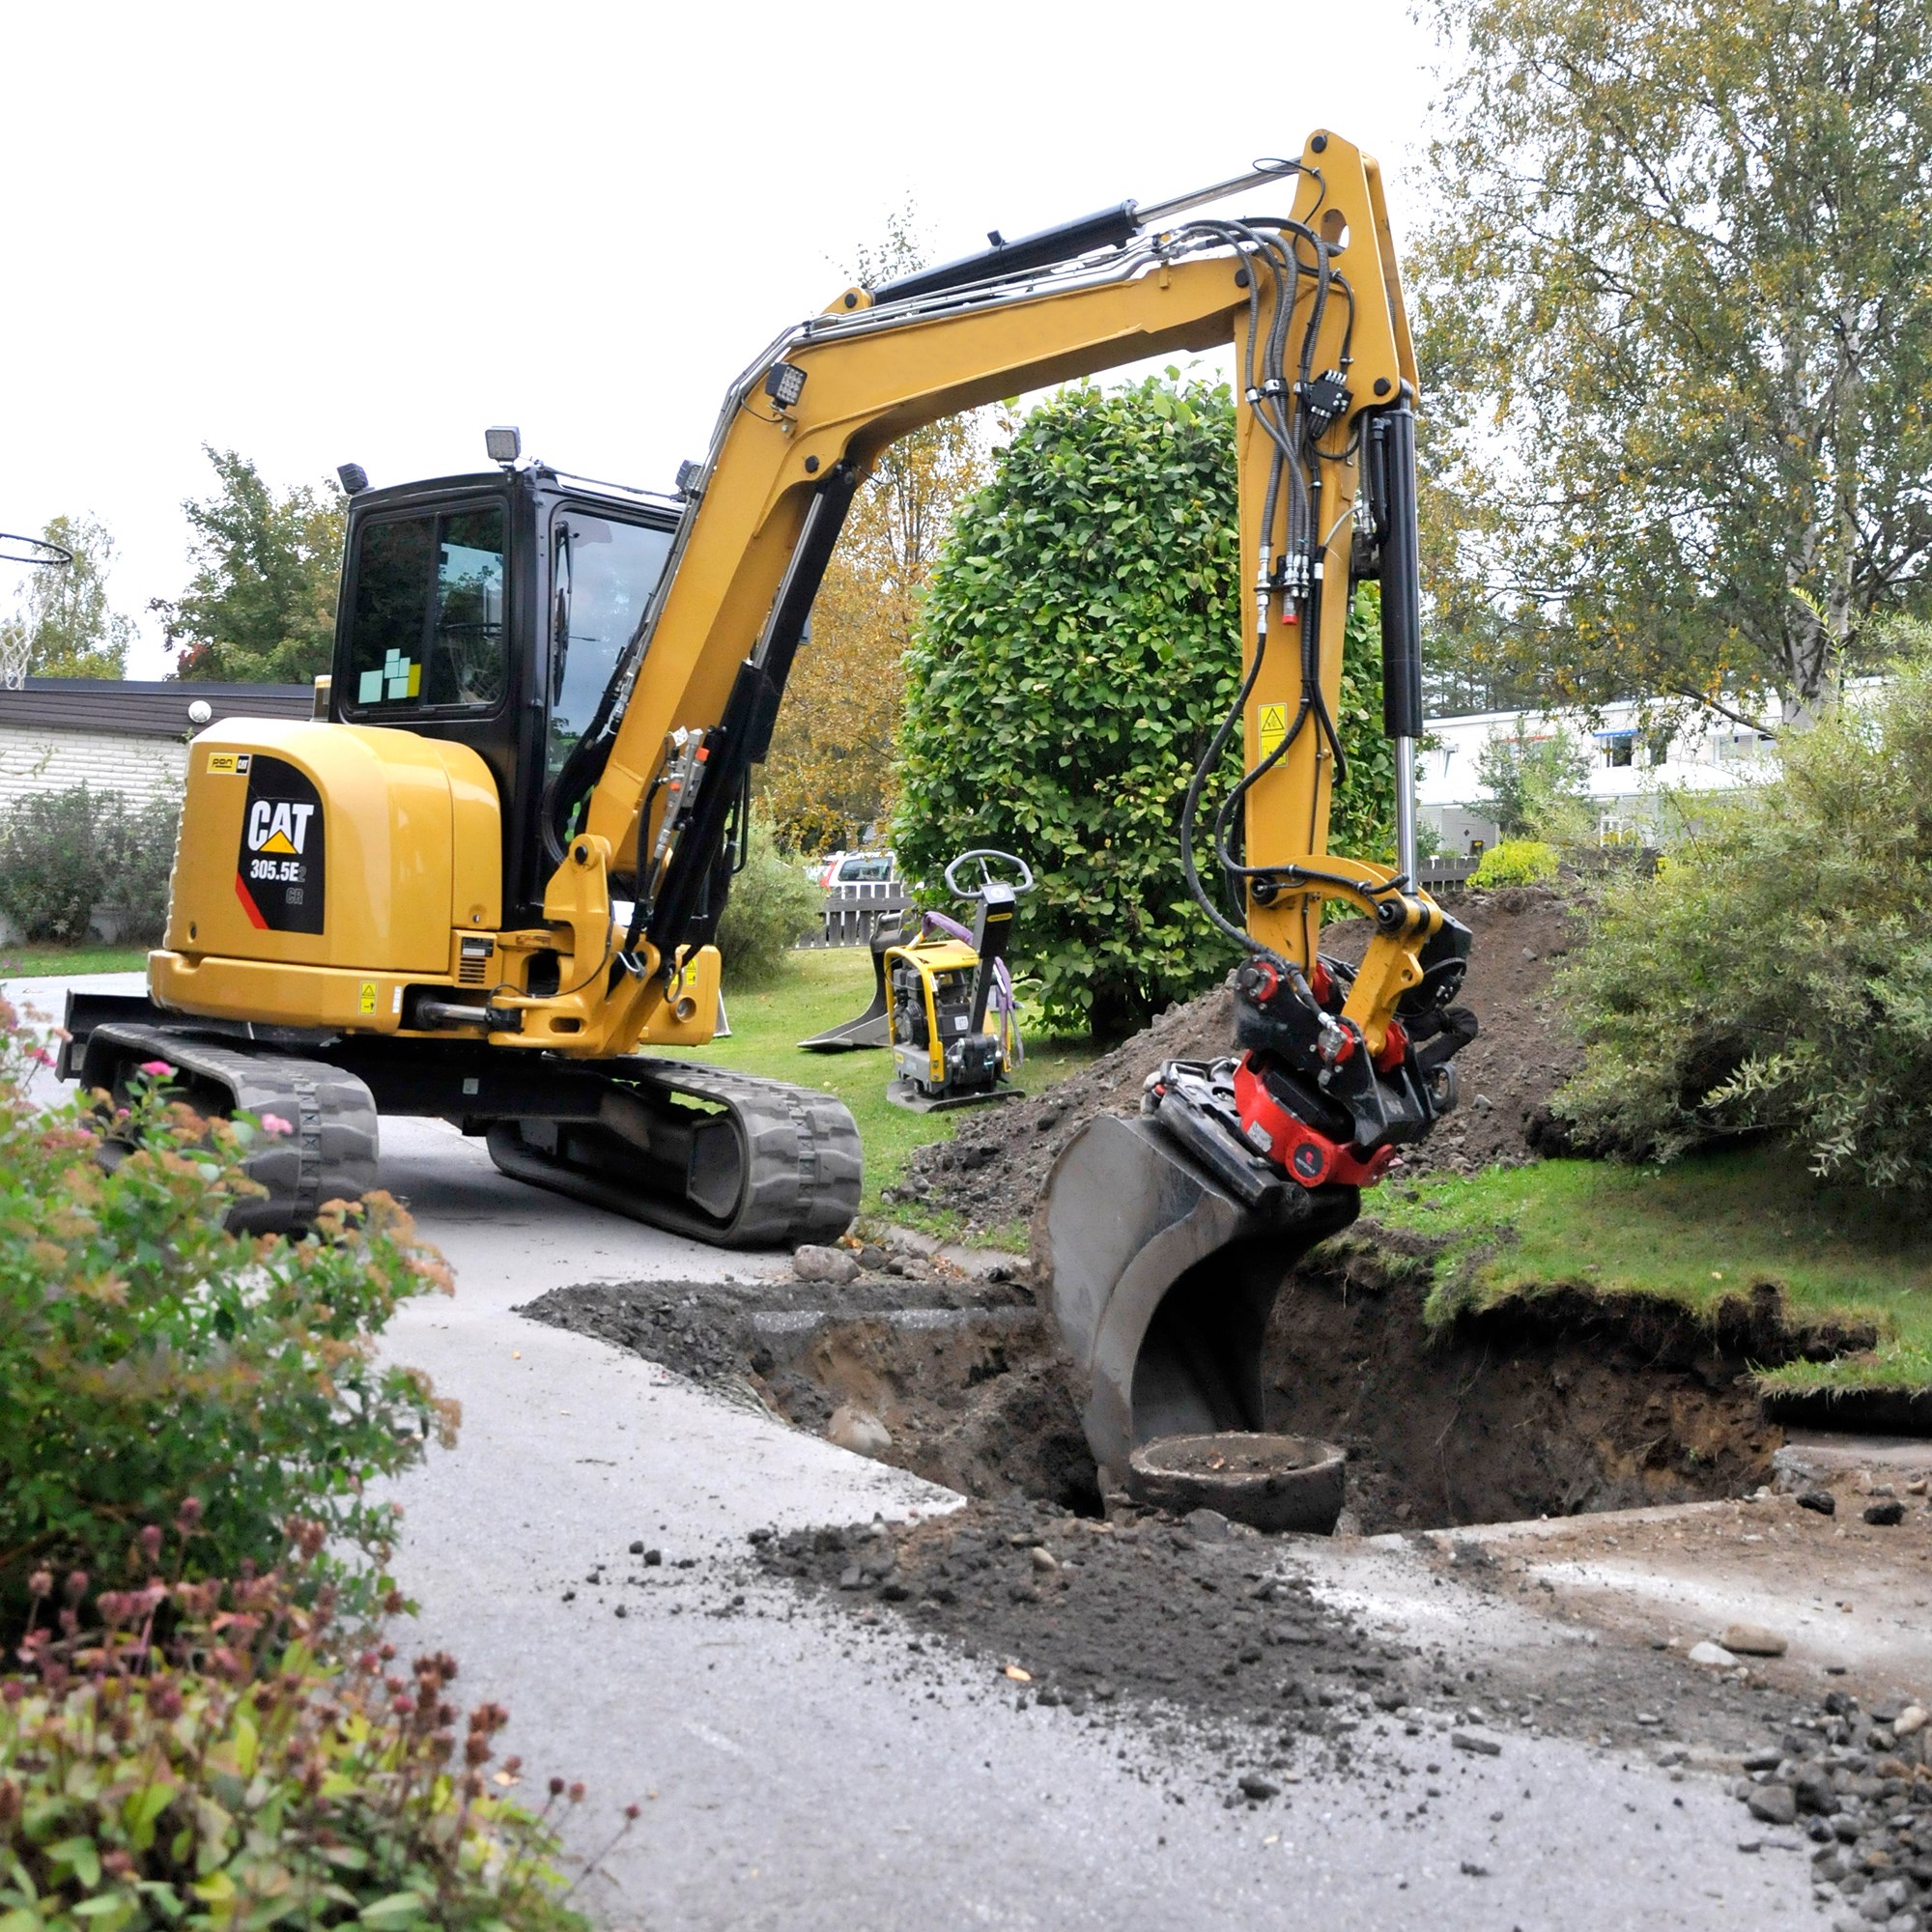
1551 1405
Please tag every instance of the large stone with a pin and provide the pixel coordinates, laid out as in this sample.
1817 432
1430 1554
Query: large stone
1910 1718
1715 1655
1773 1804
857 1430
832 1264
1754 1640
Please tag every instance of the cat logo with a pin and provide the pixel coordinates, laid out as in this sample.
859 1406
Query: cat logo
278 825
278 871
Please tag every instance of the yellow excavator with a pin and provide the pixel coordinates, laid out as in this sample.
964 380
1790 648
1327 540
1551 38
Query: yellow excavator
492 866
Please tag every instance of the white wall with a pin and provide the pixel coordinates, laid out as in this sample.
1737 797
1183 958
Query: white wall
44 760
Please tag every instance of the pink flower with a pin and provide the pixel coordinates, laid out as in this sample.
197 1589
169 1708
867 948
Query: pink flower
40 1056
274 1124
160 1069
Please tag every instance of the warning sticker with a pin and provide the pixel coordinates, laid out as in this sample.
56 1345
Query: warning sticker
278 871
1273 729
366 999
228 764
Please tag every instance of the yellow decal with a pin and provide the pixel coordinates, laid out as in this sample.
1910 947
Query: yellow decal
367 1003
278 843
228 764
1273 729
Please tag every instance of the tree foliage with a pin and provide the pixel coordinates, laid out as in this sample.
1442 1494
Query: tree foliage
833 769
69 628
261 603
1537 783
1078 646
1678 336
1777 972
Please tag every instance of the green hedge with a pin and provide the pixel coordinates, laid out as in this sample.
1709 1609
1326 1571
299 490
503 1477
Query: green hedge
65 855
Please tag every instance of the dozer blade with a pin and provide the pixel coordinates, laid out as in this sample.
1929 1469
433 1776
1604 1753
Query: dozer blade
1161 1283
870 1028
725 1158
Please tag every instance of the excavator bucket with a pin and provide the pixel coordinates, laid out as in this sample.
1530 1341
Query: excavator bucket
870 1028
1161 1280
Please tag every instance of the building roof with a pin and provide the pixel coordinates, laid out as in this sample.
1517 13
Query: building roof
138 709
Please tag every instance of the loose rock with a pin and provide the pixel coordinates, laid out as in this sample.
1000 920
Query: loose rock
1885 1514
1715 1655
857 1430
1754 1640
1467 1741
1773 1804
1821 1500
832 1264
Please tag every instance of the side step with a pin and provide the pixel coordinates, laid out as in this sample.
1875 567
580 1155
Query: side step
330 1153
723 1158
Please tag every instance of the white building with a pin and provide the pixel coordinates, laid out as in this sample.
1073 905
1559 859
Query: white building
1631 763
116 734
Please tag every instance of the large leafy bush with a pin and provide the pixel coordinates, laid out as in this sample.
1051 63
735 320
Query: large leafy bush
190 1755
1078 646
147 1354
1776 972
773 905
65 855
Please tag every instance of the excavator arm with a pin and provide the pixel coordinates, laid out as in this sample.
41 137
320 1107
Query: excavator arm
1311 302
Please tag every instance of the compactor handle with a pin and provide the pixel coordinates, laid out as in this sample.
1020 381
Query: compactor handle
1023 886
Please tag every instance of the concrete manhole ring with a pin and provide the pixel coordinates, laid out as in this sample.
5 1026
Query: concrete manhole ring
1270 1482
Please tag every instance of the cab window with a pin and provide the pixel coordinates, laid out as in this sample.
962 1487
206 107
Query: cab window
602 576
427 632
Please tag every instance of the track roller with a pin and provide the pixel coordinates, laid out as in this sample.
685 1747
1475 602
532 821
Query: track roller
728 1159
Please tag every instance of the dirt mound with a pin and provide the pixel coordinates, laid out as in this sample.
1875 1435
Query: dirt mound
993 1169
1197 1614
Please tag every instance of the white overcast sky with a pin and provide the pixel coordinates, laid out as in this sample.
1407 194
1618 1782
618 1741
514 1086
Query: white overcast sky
315 233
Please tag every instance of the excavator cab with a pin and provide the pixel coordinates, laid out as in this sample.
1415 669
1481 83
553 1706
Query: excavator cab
492 611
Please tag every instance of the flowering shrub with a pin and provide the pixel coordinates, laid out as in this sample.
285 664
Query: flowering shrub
178 1754
147 1354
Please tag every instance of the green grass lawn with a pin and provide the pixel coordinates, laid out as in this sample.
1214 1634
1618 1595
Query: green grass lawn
1714 1225
59 962
818 988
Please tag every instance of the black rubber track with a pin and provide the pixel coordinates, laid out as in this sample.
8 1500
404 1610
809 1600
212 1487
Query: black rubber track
330 1155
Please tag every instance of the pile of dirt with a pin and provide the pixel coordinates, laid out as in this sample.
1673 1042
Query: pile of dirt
993 1168
1198 1613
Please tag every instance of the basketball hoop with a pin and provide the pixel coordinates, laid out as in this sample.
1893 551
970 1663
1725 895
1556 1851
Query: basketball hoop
25 554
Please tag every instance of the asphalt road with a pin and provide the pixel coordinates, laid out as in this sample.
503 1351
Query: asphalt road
799 1770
